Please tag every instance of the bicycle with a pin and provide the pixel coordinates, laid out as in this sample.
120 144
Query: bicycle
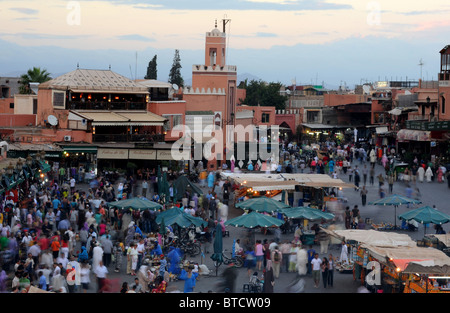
237 260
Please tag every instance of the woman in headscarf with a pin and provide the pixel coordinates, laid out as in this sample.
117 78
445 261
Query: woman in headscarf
269 280
133 258
83 256
440 175
174 259
144 278
189 278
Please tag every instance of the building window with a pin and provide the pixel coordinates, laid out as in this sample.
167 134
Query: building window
11 105
443 105
172 121
312 116
59 99
265 118
176 120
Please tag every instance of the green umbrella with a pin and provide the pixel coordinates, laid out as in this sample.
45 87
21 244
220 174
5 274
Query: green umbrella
426 215
306 213
182 219
181 184
168 213
217 256
253 220
262 204
395 200
136 204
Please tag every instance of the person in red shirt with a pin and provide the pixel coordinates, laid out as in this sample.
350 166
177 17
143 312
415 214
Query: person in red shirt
44 243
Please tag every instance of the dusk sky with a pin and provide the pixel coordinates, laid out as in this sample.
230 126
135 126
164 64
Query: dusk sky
312 41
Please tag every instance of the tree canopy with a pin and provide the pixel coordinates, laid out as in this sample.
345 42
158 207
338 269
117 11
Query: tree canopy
152 71
175 72
34 75
261 93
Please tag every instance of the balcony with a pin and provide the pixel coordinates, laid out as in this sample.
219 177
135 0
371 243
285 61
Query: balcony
145 138
105 105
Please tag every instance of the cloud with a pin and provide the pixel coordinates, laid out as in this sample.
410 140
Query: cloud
262 34
134 37
25 19
281 5
41 36
25 10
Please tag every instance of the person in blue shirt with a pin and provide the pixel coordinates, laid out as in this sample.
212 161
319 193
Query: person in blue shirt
156 249
311 252
210 180
331 166
56 203
42 281
189 278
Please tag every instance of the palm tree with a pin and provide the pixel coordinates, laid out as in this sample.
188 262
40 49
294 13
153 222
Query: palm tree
34 75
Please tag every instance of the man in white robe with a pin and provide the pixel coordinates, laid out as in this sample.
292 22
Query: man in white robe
420 173
302 261
344 253
429 174
97 256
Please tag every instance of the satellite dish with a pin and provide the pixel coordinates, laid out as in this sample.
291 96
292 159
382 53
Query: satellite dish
366 89
175 87
52 120
288 91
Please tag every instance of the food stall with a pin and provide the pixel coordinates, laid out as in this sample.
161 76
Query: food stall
302 189
427 279
398 271
361 244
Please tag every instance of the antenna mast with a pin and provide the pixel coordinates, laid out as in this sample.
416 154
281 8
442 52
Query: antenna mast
225 21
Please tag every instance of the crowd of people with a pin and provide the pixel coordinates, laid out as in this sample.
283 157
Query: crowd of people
59 237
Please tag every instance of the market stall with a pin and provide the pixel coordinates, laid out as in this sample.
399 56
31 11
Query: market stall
361 243
394 262
302 189
427 279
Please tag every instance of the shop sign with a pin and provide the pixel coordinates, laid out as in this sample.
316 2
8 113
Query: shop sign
416 125
442 125
112 153
142 154
167 155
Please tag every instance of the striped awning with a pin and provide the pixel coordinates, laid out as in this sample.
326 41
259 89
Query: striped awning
122 118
